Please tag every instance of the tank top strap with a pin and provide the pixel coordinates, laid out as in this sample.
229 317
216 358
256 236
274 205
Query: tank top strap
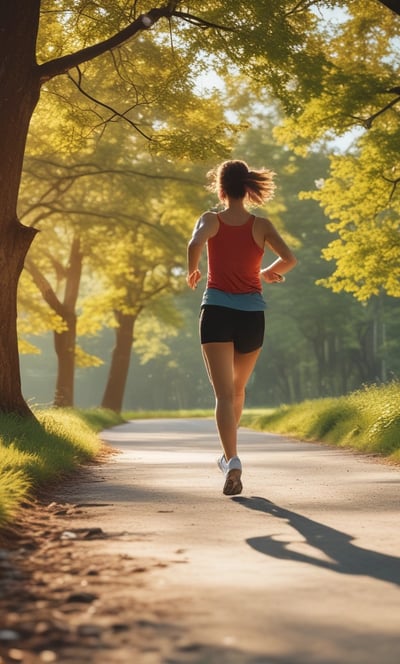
246 223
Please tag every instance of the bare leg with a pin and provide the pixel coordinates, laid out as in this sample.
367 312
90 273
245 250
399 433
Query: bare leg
243 365
229 372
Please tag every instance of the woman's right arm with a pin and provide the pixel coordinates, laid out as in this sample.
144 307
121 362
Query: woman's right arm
205 228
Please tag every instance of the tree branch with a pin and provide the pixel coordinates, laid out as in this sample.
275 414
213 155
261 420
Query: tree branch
394 184
367 122
112 216
61 65
114 112
45 288
391 4
301 6
93 169
201 22
145 21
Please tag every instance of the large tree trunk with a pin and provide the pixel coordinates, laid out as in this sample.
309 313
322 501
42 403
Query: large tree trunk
19 85
14 245
121 357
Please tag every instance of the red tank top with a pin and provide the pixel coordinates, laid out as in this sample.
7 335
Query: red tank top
234 259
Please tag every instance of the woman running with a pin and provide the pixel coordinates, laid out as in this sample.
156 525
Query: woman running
232 310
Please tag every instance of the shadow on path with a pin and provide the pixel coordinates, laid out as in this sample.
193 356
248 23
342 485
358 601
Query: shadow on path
345 557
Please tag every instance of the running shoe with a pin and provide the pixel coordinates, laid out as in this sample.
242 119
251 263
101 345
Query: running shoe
232 471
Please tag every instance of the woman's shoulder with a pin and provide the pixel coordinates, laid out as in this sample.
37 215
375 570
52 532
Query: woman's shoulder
262 219
209 219
209 214
263 222
263 230
207 226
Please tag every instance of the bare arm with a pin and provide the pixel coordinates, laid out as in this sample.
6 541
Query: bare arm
206 227
286 259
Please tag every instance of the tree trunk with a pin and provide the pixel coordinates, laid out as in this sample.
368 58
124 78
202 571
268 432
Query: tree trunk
65 341
64 344
121 357
19 85
13 248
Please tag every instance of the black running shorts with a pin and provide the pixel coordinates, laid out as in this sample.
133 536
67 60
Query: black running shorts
244 328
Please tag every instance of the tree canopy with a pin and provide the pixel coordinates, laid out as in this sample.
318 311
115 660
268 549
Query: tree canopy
359 97
138 64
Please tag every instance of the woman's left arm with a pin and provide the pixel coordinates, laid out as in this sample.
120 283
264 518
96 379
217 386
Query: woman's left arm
204 228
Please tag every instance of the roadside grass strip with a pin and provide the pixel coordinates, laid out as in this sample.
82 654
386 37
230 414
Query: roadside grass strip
367 420
35 452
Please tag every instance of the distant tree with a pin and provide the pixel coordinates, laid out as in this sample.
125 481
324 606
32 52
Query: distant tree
104 253
146 273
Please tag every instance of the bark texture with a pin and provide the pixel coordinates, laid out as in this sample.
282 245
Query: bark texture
120 361
19 85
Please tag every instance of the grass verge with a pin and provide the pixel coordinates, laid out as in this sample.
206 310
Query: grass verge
367 420
36 452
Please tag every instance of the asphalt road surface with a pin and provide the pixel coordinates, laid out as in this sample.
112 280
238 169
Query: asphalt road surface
302 568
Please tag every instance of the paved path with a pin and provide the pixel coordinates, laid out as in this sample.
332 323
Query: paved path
302 568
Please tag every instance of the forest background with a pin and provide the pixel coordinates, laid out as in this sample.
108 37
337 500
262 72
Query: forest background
114 178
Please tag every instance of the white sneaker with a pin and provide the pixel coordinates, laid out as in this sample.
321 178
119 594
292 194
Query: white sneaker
232 471
225 466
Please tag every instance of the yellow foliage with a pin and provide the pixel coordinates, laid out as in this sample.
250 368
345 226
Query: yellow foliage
361 199
27 348
151 335
84 359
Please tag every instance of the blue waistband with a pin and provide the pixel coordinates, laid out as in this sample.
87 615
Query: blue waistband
242 301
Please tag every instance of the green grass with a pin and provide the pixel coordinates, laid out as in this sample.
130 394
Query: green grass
99 418
34 453
367 420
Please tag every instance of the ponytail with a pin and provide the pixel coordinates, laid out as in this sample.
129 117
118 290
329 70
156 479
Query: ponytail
234 179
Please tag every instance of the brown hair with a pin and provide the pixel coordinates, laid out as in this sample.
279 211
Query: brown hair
234 179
